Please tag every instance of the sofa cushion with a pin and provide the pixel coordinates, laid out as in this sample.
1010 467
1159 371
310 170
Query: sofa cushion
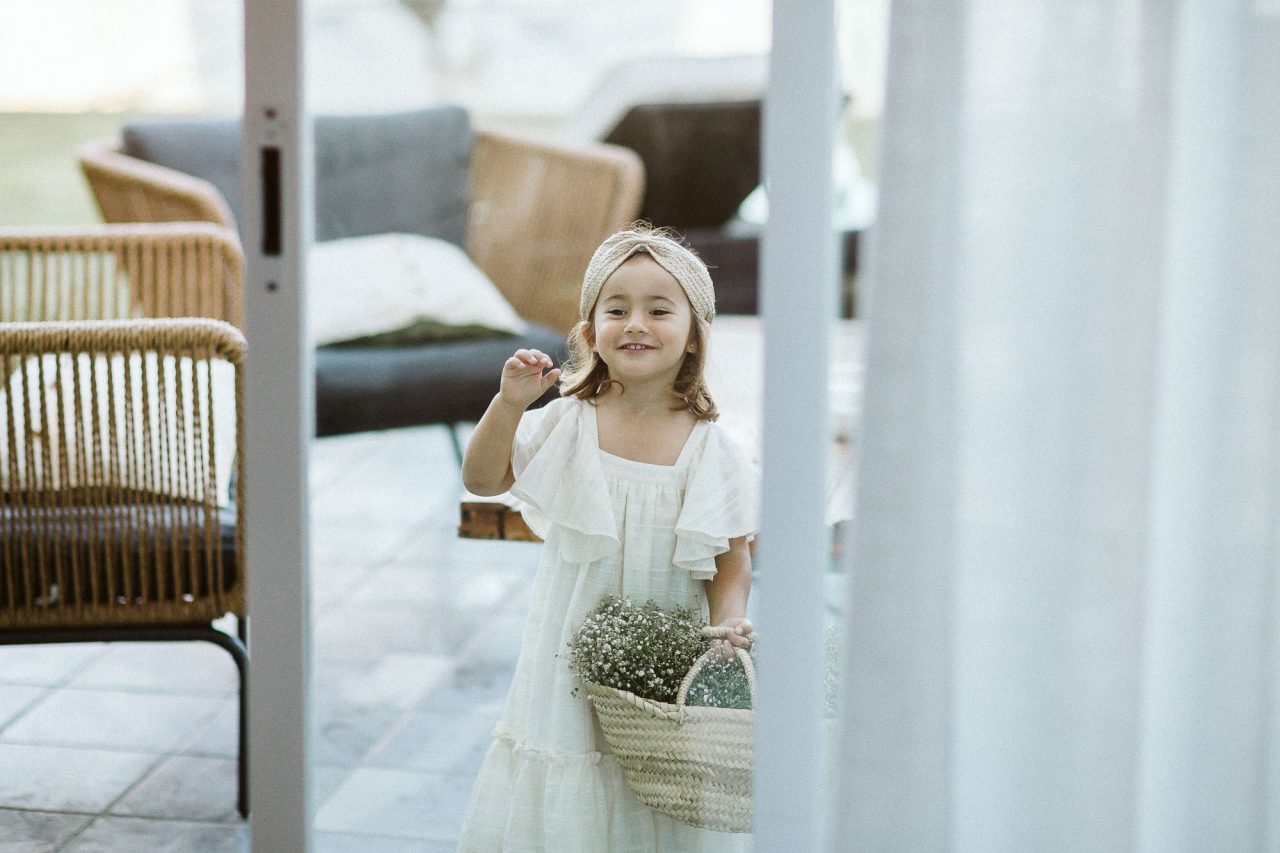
207 148
700 160
119 421
369 388
396 289
80 553
374 173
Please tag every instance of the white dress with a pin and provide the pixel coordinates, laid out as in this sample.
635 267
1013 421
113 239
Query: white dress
612 526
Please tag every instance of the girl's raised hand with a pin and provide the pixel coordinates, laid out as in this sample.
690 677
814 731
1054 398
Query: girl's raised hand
523 380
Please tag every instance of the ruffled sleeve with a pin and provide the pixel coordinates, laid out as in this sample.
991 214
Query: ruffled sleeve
560 483
721 502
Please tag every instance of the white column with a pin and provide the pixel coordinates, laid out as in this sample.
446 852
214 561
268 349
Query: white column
1209 705
798 301
277 224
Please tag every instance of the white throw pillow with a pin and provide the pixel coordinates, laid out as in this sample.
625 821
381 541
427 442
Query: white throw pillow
160 446
362 286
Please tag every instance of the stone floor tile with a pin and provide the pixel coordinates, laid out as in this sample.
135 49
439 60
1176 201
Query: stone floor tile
341 842
185 787
197 668
475 686
334 458
72 780
416 636
498 638
441 548
142 722
478 591
16 698
372 631
37 832
219 736
121 834
380 509
49 664
325 780
346 539
342 549
395 681
332 588
400 803
438 742
344 735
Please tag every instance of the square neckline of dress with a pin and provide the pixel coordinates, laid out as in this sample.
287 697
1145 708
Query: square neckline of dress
684 451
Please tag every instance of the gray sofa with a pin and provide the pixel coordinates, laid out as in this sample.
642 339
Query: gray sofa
528 213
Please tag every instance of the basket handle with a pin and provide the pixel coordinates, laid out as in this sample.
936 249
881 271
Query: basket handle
715 631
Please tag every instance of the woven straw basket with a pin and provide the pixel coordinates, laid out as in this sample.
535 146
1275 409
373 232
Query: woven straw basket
690 762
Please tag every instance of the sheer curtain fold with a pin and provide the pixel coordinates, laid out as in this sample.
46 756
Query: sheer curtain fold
1062 612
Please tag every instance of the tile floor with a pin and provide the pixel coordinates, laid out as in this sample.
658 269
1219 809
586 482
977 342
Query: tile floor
131 747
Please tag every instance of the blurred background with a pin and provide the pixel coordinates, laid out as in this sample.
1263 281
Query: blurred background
1066 492
408 685
73 71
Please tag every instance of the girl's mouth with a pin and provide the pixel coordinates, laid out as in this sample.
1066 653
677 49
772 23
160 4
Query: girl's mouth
635 347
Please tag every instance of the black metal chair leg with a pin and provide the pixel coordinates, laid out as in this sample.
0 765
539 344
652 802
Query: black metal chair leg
235 645
207 633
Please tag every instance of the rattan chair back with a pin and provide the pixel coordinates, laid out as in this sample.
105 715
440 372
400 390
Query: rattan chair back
120 419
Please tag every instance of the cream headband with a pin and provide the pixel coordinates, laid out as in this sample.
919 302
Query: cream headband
687 268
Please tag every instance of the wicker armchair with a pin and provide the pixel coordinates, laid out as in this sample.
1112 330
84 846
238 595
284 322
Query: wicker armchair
528 213
121 415
536 210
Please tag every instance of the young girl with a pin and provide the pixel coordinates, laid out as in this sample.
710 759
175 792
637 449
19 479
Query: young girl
637 492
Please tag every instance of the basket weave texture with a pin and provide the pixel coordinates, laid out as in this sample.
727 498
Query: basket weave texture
690 762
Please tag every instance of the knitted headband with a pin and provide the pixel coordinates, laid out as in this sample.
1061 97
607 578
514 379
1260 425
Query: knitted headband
687 268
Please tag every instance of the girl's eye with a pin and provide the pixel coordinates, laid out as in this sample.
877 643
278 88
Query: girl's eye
659 312
615 312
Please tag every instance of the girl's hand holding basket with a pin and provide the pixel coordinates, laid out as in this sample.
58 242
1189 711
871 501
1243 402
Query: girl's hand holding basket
737 634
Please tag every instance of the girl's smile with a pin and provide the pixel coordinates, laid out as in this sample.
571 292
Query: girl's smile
642 321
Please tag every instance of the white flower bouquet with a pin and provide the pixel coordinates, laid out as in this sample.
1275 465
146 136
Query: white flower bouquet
648 650
639 664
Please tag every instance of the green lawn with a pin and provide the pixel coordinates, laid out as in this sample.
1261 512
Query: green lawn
40 182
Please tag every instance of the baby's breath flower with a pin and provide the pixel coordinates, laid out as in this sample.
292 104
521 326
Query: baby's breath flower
647 650
644 649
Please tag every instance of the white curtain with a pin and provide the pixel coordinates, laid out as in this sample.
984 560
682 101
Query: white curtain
1064 617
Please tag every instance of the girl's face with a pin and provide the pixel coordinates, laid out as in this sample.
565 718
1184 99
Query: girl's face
641 322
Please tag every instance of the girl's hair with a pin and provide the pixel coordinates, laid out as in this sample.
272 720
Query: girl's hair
586 376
